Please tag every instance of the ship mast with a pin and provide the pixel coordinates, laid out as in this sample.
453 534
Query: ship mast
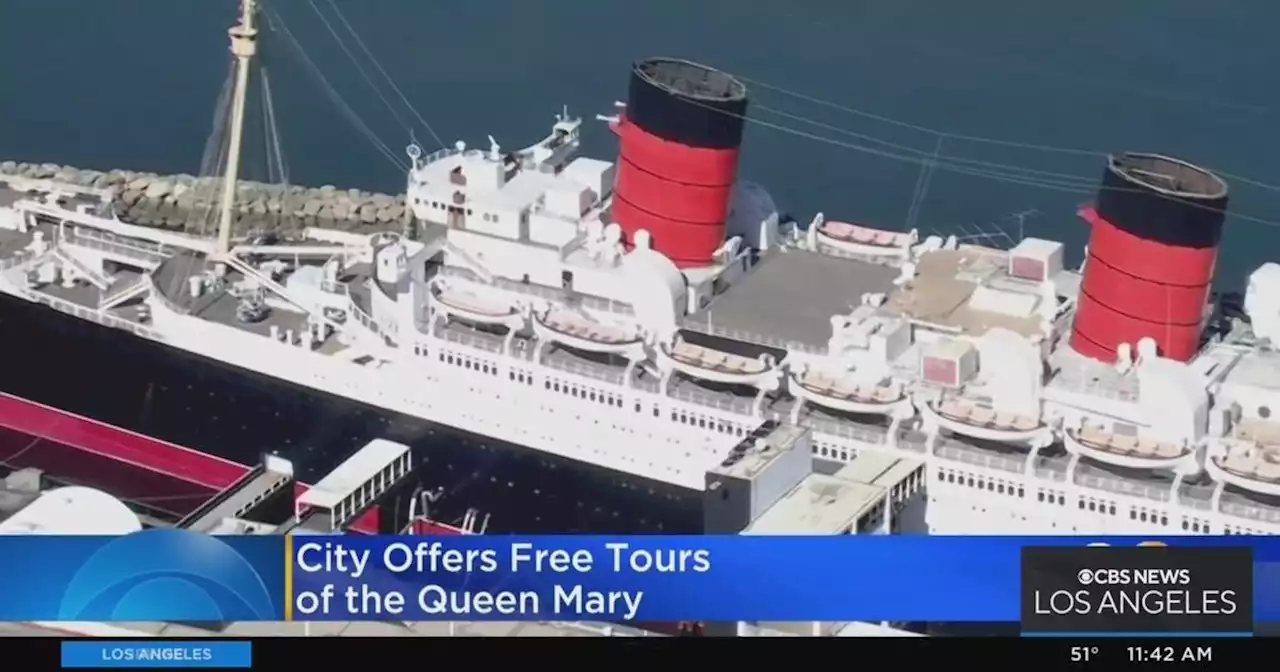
244 44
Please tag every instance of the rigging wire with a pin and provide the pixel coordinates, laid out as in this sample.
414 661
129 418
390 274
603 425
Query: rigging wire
979 139
1069 186
276 22
275 145
359 68
922 187
390 82
211 176
933 156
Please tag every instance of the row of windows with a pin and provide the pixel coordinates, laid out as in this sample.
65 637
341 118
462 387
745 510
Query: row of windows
831 452
439 206
1107 508
992 485
589 394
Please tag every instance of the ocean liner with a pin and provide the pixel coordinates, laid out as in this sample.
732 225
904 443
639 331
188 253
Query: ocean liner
574 344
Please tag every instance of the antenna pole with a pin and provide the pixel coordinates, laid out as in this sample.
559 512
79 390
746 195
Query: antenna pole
244 44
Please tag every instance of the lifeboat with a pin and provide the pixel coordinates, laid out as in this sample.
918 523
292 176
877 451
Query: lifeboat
716 365
580 332
841 394
970 418
864 240
1249 460
1135 452
470 307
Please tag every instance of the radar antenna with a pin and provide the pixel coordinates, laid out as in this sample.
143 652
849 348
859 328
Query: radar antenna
244 45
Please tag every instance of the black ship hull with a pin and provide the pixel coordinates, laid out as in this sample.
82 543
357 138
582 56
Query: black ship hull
159 391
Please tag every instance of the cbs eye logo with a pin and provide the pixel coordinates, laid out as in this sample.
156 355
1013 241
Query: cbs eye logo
1141 544
166 575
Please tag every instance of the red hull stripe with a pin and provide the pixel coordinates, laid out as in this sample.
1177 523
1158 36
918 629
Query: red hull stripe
119 444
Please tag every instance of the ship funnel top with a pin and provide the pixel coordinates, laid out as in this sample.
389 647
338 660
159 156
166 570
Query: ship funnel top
1167 175
691 80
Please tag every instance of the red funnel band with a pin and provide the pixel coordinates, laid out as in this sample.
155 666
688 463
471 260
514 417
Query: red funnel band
1148 259
1143 299
1099 331
679 194
1134 288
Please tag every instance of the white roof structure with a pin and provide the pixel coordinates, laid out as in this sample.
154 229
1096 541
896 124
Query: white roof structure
357 470
73 510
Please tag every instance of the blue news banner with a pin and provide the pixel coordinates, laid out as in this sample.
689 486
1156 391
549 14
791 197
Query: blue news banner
184 576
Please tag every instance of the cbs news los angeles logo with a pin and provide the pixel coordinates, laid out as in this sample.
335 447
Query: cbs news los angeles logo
1129 588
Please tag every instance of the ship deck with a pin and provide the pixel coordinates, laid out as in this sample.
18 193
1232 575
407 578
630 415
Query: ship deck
169 279
789 297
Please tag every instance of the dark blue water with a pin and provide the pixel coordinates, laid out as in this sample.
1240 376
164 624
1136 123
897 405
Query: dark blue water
132 83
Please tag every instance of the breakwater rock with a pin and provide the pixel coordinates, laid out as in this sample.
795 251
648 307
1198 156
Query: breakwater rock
189 203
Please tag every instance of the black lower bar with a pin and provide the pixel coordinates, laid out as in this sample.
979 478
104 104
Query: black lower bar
1083 652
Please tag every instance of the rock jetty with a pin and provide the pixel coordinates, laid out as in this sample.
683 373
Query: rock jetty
190 204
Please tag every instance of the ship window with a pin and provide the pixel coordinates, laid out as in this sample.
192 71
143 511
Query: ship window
1093 506
655 410
1081 503
1133 515
970 481
1195 527
1164 520
1143 516
1264 412
844 456
1039 496
1112 509
1062 500
1000 488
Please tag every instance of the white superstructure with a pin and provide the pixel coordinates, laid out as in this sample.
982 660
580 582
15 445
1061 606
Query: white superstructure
517 306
